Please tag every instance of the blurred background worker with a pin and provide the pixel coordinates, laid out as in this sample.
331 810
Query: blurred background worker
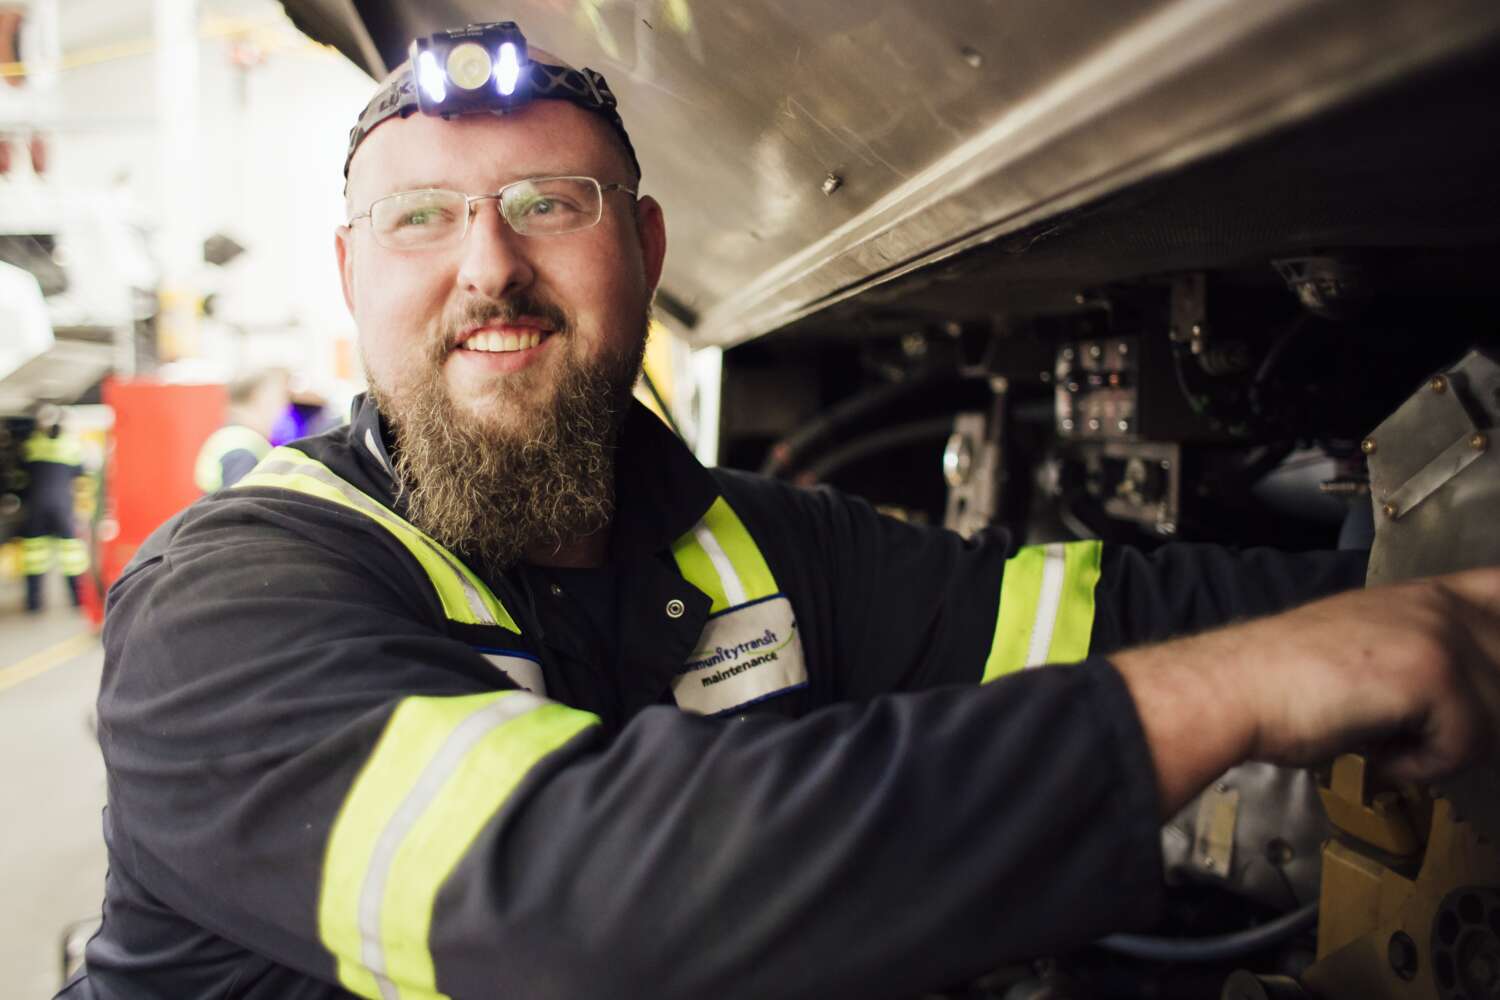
51 460
256 403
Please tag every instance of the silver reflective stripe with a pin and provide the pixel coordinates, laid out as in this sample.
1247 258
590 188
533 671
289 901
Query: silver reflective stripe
375 510
1054 567
447 760
375 450
734 590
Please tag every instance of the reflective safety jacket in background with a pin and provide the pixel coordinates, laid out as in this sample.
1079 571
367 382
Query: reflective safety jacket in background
50 465
229 453
343 760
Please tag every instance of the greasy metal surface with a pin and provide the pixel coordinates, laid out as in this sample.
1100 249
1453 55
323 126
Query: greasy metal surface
1455 526
1276 830
946 125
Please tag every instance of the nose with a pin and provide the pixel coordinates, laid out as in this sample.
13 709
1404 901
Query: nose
495 262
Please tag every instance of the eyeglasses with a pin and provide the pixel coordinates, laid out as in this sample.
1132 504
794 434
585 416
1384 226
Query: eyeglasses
538 206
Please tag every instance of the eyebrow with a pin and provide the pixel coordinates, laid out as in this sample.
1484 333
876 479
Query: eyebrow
448 185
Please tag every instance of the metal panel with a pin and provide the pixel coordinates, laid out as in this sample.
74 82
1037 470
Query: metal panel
804 152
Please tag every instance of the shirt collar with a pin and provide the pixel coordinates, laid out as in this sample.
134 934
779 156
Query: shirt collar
661 489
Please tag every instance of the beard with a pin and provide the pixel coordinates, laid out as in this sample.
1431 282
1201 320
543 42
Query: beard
522 472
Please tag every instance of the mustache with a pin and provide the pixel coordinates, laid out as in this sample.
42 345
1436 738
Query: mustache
485 312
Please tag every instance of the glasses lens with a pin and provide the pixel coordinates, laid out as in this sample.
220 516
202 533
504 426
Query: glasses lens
551 205
413 220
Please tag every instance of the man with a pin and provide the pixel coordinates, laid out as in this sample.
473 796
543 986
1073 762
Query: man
497 693
256 402
51 461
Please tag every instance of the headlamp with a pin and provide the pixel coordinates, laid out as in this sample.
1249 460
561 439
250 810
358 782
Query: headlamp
478 68
483 69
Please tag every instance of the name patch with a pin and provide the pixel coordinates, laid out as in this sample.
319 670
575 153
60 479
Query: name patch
523 671
745 654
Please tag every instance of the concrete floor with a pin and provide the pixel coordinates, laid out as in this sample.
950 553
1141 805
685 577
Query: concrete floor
52 783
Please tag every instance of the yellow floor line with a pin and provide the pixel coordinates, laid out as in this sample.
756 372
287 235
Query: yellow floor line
40 663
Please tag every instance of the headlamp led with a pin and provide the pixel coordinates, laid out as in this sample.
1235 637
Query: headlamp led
483 69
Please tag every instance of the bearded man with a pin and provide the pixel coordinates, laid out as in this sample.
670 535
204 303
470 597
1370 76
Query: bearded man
496 692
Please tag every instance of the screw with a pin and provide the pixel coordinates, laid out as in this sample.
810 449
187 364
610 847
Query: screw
1209 863
1438 384
832 183
1479 441
1093 424
1079 298
1389 510
1067 425
1197 330
1096 352
1367 446
1123 348
1123 426
972 56
1067 354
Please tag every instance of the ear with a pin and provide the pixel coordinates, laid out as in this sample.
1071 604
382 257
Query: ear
343 249
651 230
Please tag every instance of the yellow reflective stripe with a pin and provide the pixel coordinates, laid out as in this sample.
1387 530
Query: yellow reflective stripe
1075 611
208 470
440 772
464 597
721 559
72 556
63 450
1046 612
696 568
36 554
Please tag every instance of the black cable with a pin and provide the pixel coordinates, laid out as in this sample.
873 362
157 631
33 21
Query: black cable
788 453
886 439
666 410
1219 947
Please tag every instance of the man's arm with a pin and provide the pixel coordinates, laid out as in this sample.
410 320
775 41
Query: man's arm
1407 673
292 767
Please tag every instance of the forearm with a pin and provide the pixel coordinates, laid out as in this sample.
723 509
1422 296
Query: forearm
1193 708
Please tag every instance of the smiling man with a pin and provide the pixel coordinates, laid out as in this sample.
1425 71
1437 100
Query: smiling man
503 361
496 692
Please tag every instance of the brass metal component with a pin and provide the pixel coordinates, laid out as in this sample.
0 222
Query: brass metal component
1367 446
1380 820
1389 510
1479 441
1365 903
1439 383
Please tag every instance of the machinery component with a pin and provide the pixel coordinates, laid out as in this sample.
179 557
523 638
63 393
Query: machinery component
1330 287
974 466
1137 482
1218 948
1248 986
1411 887
1466 944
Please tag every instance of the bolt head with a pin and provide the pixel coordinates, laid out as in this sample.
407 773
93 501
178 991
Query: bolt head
1389 510
1367 446
1438 384
1479 441
832 183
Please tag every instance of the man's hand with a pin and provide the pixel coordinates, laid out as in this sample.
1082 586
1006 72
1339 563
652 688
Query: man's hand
1409 674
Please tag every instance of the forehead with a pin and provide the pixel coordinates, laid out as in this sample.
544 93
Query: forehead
480 152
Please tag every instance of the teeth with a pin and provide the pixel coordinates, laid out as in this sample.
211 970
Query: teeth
494 341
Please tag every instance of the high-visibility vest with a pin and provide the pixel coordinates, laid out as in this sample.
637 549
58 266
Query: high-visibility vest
42 447
717 556
445 765
208 470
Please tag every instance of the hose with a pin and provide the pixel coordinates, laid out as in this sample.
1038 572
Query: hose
1218 948
789 454
873 444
